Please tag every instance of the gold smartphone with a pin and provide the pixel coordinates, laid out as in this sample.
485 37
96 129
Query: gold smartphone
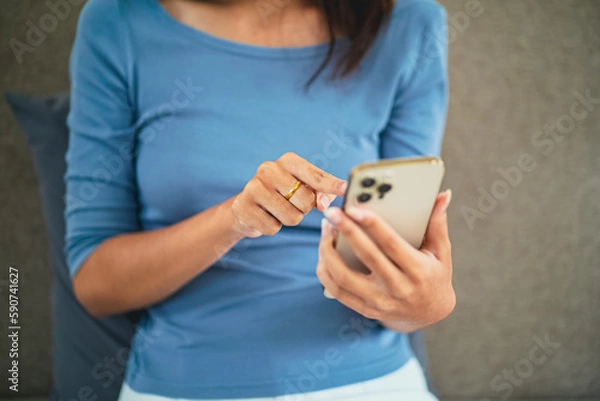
401 191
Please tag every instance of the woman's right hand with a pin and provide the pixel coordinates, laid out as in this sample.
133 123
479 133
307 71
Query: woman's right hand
262 209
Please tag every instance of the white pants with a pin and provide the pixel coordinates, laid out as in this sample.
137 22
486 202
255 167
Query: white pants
407 383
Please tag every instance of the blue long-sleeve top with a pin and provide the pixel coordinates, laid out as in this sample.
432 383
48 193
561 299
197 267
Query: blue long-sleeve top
167 121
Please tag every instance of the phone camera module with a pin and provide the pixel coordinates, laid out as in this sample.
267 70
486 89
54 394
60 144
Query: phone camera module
364 197
368 182
383 189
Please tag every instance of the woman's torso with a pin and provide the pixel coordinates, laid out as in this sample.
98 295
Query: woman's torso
207 113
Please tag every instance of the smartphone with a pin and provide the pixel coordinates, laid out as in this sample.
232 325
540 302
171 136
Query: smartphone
401 191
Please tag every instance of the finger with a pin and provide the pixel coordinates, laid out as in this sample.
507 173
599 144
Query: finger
345 297
327 237
333 288
374 257
304 199
397 249
324 200
345 277
262 221
276 205
311 175
275 177
437 240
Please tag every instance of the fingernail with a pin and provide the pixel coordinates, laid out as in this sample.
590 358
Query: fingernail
356 213
343 186
325 201
334 215
448 198
326 228
328 294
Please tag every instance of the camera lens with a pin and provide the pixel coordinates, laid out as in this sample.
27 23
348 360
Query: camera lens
364 197
368 182
383 188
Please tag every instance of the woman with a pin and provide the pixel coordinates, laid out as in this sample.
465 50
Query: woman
207 138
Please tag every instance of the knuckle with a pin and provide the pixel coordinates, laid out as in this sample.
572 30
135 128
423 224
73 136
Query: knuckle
388 241
398 292
419 279
288 156
253 186
272 229
334 289
444 310
373 314
384 305
369 221
451 304
308 200
264 168
320 270
292 219
342 280
319 176
322 273
370 311
296 218
305 208
346 229
410 295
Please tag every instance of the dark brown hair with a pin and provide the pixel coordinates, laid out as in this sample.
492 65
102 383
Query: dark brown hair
358 20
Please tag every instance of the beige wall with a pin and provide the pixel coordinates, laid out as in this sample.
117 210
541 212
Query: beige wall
526 268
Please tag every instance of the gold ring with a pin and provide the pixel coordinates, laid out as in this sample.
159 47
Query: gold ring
293 190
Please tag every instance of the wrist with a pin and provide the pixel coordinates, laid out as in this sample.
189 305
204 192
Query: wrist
227 217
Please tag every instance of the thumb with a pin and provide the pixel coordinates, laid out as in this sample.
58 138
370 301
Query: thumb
437 240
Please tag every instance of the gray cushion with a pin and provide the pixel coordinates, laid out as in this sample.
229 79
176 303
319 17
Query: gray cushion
81 344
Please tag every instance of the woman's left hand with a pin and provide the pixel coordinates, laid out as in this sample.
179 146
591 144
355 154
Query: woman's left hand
408 288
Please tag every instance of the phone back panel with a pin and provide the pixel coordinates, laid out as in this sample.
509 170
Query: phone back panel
401 191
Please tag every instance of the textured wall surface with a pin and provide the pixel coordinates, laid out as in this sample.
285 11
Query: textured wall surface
526 247
529 264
